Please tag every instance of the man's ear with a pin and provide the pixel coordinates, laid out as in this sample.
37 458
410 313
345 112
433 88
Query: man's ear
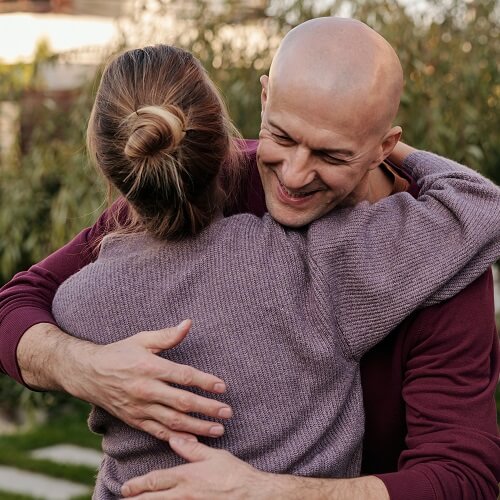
264 81
390 140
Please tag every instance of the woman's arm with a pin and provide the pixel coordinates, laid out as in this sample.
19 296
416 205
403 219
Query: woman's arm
400 152
384 260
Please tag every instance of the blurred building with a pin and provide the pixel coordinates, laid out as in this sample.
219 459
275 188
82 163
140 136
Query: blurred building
116 8
88 27
59 79
108 8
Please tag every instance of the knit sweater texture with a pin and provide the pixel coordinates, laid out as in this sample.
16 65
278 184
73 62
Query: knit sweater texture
283 316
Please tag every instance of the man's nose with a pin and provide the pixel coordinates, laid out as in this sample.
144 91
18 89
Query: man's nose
297 170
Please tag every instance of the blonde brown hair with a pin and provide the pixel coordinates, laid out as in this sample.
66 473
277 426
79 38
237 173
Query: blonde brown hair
160 133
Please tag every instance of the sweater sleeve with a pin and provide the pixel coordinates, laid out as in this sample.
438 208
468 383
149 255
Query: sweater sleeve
383 261
452 368
26 300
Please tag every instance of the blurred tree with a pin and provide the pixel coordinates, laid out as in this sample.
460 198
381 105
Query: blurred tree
48 190
49 193
451 60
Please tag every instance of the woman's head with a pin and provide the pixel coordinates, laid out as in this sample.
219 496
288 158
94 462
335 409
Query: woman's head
160 133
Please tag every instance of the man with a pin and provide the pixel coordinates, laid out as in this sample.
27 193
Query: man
314 155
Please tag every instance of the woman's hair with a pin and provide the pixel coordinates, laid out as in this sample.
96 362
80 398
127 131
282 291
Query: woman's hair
160 133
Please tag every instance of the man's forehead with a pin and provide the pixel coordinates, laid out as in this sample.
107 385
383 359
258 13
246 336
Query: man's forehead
320 127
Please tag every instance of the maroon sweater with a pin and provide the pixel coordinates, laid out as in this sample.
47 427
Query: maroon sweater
428 387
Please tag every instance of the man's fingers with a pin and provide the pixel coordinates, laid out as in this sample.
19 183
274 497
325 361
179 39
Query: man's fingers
162 432
187 402
161 340
166 338
180 422
190 450
174 373
158 393
157 480
155 495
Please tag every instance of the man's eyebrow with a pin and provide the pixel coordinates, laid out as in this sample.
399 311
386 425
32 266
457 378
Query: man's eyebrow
277 127
335 152
323 151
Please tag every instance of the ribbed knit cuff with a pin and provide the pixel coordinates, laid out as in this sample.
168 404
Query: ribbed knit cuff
408 485
12 329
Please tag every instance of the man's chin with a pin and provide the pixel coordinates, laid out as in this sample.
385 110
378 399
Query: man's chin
291 220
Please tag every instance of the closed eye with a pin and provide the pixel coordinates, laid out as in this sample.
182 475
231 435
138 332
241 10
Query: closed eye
332 160
283 139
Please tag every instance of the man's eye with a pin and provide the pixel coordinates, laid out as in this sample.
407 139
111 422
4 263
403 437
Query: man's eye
332 160
282 138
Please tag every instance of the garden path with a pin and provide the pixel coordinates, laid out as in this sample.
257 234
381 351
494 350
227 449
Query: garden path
40 486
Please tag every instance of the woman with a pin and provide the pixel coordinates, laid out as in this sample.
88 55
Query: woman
264 299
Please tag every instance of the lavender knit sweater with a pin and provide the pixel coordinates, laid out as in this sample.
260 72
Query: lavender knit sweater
283 316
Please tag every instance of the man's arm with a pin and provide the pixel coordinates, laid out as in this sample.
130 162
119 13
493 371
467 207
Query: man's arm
217 475
452 369
122 377
26 300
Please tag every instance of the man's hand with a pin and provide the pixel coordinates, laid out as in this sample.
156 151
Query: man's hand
213 474
217 475
128 380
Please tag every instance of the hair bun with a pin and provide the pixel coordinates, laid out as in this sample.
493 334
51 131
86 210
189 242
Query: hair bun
155 129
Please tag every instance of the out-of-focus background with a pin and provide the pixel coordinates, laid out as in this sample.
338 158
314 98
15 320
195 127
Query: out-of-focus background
51 52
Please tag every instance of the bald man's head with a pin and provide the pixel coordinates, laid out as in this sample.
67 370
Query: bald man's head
342 62
327 109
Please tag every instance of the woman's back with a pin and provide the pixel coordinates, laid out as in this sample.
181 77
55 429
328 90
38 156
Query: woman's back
262 321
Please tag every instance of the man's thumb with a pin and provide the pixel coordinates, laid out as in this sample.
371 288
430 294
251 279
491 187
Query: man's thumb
166 338
192 451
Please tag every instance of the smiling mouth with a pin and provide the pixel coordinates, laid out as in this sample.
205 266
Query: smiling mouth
296 194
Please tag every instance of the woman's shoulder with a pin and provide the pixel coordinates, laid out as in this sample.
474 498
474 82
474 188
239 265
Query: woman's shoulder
119 245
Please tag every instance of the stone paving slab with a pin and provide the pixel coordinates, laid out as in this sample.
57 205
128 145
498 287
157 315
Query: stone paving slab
69 454
38 485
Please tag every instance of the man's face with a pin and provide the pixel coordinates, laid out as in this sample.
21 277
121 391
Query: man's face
312 157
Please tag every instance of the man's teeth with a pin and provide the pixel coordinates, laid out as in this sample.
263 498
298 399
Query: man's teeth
295 194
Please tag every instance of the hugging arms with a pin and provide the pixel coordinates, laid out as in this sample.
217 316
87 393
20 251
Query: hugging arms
421 362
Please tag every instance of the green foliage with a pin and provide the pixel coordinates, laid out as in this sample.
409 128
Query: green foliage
50 193
60 428
25 408
5 495
450 59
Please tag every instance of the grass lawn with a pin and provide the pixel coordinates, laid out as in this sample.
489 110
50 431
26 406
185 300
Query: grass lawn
5 495
15 451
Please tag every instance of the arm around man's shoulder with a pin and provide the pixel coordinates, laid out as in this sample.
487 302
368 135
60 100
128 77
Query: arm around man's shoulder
452 369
